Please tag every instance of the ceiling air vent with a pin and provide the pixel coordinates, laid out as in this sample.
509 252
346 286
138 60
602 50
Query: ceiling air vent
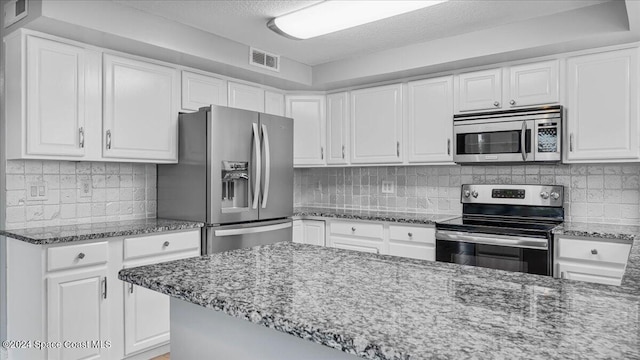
263 59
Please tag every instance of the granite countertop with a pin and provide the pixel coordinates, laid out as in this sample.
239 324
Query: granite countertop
68 233
385 307
370 215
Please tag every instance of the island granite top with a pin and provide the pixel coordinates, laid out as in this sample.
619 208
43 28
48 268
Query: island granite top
385 307
371 215
78 232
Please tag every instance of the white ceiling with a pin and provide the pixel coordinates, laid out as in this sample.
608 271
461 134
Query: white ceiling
245 21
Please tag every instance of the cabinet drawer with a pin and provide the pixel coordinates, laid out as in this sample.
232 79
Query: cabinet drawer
583 249
413 234
161 244
72 256
357 229
593 274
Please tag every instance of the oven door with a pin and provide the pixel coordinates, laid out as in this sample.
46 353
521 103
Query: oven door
510 253
503 141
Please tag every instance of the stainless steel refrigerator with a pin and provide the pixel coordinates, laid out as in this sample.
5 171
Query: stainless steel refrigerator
234 173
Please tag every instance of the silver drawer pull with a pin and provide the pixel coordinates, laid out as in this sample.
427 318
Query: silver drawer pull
81 256
166 243
410 234
594 251
353 229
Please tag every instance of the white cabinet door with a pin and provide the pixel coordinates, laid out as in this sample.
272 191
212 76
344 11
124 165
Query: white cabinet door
337 128
532 84
594 274
273 103
430 120
246 97
201 90
146 318
308 113
313 232
376 125
602 107
479 90
77 311
140 110
298 232
55 98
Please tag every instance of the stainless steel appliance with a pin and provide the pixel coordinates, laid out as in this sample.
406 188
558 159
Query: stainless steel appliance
522 135
234 173
505 227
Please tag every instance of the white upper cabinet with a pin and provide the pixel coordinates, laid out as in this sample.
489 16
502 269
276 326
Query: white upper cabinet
308 113
430 120
479 90
201 90
376 125
532 84
246 97
338 128
141 110
274 103
61 87
602 107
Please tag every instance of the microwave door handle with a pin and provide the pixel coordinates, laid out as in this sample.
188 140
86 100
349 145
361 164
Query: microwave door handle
523 141
267 166
256 144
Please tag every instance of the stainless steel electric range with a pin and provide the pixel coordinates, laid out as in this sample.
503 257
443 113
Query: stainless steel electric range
505 227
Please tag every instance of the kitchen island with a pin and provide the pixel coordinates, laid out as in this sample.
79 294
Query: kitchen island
385 307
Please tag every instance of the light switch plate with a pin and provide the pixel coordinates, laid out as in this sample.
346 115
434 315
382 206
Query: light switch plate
37 191
388 187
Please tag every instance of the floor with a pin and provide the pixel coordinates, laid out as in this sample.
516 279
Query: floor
162 357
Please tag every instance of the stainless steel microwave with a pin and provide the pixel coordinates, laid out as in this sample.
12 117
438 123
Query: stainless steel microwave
522 135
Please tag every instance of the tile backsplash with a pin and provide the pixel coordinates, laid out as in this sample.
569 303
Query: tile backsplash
78 192
593 193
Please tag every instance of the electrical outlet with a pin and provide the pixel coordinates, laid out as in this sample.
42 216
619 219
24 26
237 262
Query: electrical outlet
388 187
37 191
85 188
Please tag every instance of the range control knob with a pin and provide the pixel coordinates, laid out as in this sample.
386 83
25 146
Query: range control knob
555 195
474 194
544 195
467 193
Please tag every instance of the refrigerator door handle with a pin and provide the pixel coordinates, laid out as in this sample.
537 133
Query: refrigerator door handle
252 230
267 166
258 174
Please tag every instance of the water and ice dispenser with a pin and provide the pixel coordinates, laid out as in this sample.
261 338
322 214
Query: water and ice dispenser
235 184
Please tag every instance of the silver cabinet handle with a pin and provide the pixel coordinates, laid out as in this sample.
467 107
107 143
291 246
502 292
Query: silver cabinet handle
448 146
512 102
104 288
398 148
594 251
258 174
377 251
343 151
166 243
523 141
410 234
130 288
108 139
267 165
81 256
321 153
571 142
496 104
353 229
81 136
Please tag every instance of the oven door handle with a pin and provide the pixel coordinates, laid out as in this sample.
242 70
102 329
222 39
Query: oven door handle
498 240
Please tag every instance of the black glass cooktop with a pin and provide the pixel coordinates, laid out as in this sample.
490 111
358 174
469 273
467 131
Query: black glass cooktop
502 226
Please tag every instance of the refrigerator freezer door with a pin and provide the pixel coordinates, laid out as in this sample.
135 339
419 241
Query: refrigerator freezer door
232 237
277 161
234 154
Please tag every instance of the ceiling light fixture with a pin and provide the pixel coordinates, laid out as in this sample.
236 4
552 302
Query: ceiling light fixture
335 15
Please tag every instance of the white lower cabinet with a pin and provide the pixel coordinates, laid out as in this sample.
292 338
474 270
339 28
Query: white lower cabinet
591 259
412 242
309 232
71 294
